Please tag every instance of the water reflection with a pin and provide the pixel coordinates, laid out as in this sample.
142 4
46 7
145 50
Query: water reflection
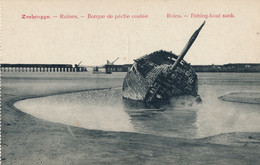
183 117
106 110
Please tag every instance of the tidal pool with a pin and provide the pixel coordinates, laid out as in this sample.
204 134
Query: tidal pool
106 110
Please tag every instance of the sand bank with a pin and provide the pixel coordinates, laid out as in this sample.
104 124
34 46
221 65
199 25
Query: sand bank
28 140
242 97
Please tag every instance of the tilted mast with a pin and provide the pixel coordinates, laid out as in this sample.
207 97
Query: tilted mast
187 47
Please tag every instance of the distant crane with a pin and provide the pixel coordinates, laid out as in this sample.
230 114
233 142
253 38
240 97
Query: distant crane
112 63
78 68
108 69
79 63
96 68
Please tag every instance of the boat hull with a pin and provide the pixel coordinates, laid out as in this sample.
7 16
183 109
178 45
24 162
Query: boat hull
152 80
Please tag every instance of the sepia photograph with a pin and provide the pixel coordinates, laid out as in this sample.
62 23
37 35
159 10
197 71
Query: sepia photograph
147 82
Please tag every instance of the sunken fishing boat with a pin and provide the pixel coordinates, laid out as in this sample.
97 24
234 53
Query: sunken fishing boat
155 78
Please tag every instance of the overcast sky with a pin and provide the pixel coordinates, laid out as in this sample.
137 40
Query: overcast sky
93 41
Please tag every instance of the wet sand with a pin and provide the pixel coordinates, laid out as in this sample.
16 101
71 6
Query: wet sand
28 140
242 97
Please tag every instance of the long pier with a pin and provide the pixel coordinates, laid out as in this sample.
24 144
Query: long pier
235 67
41 68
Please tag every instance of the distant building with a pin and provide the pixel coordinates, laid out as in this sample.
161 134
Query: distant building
243 67
117 68
236 67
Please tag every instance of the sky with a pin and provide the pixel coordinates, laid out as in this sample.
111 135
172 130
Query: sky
94 41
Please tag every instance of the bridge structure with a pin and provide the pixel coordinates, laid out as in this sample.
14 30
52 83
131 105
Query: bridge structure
41 68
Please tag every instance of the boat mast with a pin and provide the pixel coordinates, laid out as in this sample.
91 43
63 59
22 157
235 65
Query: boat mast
187 47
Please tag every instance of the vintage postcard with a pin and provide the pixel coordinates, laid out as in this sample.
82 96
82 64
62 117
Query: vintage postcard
130 82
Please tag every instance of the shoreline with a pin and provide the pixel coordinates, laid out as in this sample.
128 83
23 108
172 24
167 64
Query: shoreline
27 139
17 99
242 97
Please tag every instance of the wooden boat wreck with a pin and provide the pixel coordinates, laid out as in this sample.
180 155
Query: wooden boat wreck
155 78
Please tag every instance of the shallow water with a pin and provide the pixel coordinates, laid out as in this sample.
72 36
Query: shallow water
106 110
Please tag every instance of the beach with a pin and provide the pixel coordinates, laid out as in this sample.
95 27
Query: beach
30 140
